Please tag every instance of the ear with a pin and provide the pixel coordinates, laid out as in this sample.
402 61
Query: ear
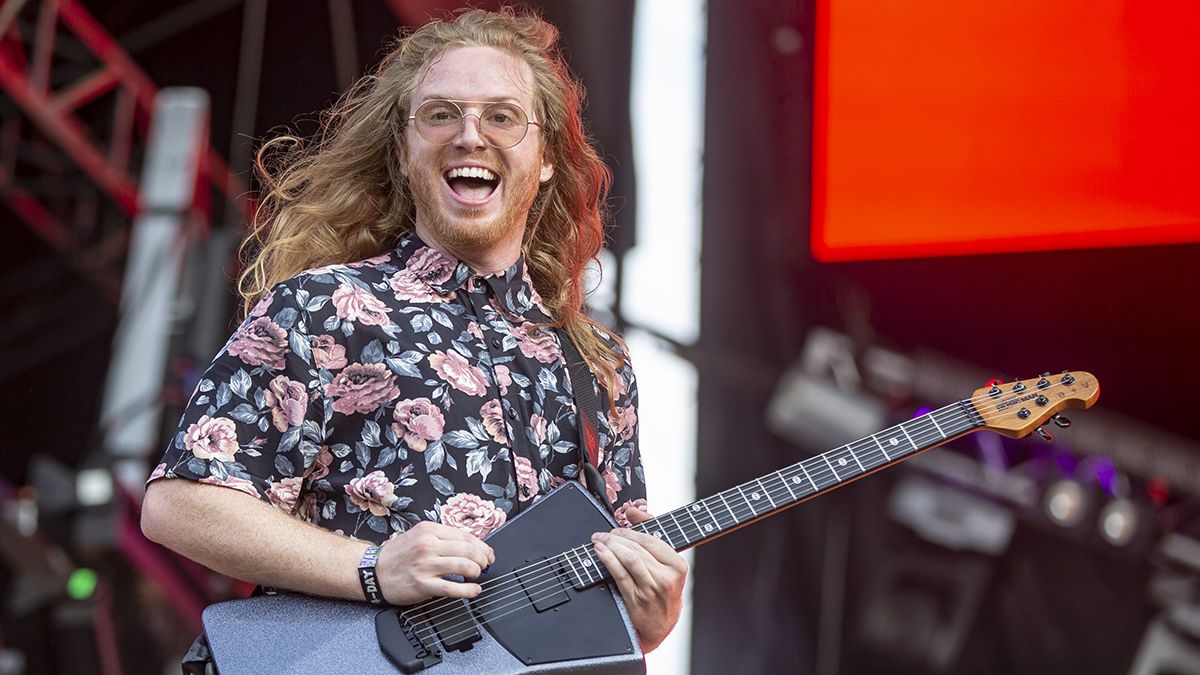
547 171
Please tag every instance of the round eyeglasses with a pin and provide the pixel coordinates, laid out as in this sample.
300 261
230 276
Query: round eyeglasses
501 124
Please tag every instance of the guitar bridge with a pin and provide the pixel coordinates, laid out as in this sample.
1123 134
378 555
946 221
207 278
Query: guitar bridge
411 648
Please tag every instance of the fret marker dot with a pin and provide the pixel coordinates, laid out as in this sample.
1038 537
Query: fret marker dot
796 480
659 535
754 495
708 528
695 507
895 441
842 461
587 563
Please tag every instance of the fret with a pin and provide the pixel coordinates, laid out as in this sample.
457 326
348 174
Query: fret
810 480
833 470
733 515
795 479
910 440
881 448
855 458
748 504
583 569
753 495
707 528
785 484
578 582
660 532
868 458
847 471
766 492
695 522
704 503
894 443
682 532
935 424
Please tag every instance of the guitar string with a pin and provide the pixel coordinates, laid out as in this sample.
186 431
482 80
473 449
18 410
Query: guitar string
822 473
550 575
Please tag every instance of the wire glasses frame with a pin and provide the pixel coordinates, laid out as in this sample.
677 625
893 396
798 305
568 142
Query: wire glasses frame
502 124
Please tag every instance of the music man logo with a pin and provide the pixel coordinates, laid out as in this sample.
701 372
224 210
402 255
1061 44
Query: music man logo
1014 401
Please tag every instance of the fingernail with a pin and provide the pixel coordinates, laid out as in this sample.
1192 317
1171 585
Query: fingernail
484 570
599 536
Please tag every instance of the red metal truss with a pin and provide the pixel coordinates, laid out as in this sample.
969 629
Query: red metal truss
26 76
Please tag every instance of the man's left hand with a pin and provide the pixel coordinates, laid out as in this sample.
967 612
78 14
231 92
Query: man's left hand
650 575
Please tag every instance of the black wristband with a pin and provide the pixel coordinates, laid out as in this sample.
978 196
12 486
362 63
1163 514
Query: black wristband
368 578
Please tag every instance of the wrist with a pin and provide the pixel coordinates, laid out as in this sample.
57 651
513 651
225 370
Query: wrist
368 577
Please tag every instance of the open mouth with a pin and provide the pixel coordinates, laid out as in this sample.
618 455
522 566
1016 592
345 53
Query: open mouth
472 183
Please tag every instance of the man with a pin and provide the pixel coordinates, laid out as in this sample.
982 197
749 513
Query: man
397 380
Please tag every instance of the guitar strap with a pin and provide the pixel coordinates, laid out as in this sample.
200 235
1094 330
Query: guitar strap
583 385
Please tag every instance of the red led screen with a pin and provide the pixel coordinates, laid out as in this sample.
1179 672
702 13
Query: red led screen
944 127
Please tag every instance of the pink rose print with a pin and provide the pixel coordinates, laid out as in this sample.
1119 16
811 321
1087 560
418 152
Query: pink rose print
327 353
355 303
454 369
239 484
624 423
373 492
320 466
611 485
361 388
418 421
527 479
621 515
212 438
309 507
538 424
474 330
262 342
426 267
159 472
471 514
288 401
283 494
493 421
536 343
534 296
260 307
503 379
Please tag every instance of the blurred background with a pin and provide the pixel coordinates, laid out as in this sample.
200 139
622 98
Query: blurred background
827 217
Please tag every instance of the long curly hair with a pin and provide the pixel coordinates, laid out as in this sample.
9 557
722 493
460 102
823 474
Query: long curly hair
342 197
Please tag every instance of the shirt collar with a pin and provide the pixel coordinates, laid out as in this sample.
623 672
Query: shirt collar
444 275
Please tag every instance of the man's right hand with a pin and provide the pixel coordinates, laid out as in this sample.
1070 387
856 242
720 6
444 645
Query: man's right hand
411 564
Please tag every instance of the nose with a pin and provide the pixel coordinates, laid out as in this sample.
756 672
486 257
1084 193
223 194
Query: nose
470 137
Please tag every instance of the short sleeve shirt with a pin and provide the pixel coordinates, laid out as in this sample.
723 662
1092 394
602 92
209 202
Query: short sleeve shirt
369 396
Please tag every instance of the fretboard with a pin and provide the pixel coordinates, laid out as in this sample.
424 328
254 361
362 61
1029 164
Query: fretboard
707 518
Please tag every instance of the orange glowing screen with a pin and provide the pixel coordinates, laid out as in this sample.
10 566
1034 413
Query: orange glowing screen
946 127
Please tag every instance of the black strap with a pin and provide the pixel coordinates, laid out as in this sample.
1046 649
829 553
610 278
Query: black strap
583 384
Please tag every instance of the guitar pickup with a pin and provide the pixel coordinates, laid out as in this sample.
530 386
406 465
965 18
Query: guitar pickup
454 624
543 584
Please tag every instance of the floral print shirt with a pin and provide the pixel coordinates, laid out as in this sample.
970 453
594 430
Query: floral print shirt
369 396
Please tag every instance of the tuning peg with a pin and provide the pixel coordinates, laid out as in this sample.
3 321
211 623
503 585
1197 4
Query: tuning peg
1062 422
1044 435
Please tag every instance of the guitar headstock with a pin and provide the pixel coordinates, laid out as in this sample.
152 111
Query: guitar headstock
1017 409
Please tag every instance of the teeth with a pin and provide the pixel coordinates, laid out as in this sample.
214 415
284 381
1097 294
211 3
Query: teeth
471 172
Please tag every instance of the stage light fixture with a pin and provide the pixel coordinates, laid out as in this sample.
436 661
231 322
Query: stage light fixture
1119 522
1066 502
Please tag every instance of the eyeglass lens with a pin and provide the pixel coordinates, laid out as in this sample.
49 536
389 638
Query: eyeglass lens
502 124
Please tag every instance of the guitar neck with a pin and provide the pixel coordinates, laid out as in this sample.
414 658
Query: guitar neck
723 512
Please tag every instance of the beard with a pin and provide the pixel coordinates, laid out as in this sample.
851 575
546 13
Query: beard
467 230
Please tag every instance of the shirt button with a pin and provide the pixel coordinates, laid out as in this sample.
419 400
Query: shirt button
512 414
496 343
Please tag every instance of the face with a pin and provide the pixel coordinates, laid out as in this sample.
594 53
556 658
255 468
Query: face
471 213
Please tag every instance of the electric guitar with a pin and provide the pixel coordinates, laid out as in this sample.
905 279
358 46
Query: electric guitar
548 605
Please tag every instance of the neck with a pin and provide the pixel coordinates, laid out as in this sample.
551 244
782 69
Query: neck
485 259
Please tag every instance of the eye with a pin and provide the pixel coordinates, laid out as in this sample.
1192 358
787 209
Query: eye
504 116
437 114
